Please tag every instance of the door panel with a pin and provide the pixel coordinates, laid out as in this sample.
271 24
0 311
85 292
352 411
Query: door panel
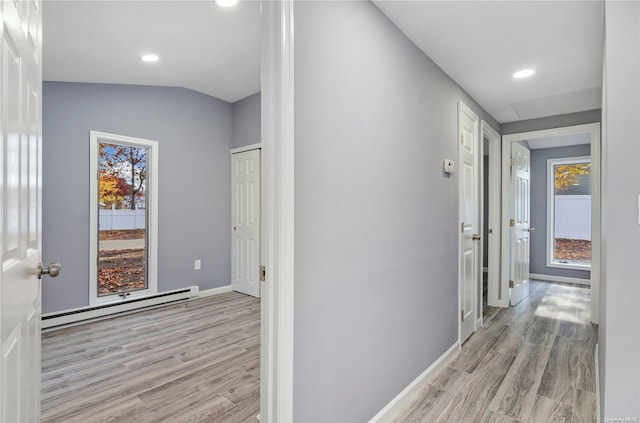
20 214
245 212
520 237
469 213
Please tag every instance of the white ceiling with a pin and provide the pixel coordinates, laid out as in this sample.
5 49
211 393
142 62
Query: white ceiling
559 141
480 44
201 46
217 51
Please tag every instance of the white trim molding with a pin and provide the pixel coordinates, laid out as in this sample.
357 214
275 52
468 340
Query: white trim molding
561 279
277 110
392 409
151 224
246 148
597 367
214 291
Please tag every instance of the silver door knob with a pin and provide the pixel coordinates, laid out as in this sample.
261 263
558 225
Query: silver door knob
52 270
476 237
531 230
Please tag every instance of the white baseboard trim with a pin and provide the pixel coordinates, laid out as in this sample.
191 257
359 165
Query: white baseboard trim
597 367
562 279
391 409
214 291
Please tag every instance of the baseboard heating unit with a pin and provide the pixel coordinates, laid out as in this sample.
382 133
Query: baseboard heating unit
68 317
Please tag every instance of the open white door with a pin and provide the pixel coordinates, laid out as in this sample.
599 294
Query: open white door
520 223
245 214
20 126
469 212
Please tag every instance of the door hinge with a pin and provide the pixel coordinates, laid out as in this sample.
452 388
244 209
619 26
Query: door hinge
263 273
462 139
512 222
512 284
512 162
462 315
462 227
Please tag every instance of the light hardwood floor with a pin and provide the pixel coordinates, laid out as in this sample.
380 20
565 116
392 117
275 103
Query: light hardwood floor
197 361
532 363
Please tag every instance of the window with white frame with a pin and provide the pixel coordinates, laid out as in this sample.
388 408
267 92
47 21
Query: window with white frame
569 212
124 218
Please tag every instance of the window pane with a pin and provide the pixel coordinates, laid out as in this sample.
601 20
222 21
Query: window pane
572 213
122 187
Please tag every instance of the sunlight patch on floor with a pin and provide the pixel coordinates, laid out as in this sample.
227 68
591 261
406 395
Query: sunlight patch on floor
566 306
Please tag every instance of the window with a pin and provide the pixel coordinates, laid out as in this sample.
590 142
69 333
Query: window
569 213
123 217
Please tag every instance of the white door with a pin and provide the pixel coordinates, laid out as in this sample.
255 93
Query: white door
20 231
245 214
469 212
520 224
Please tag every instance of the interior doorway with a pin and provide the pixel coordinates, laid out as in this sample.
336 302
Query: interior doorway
539 141
490 186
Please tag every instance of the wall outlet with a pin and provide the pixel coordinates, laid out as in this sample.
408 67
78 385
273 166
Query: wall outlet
197 265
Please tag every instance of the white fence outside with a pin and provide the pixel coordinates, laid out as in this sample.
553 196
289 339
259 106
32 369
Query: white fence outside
573 216
113 219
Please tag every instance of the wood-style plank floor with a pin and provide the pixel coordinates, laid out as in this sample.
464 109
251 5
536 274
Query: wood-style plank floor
196 361
532 363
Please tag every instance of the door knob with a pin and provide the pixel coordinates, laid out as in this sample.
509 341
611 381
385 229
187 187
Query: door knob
476 237
52 270
531 230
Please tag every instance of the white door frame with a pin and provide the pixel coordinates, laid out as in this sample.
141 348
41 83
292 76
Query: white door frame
276 349
493 232
594 130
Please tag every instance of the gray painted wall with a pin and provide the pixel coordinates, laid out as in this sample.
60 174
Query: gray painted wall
376 226
539 175
245 116
194 135
590 116
619 332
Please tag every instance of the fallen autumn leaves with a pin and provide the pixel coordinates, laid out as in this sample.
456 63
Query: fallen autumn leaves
121 270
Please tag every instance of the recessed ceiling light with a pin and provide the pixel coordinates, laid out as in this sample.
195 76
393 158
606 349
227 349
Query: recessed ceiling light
524 73
150 58
226 3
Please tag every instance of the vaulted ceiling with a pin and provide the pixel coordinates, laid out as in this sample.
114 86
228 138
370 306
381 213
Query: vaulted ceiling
201 46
